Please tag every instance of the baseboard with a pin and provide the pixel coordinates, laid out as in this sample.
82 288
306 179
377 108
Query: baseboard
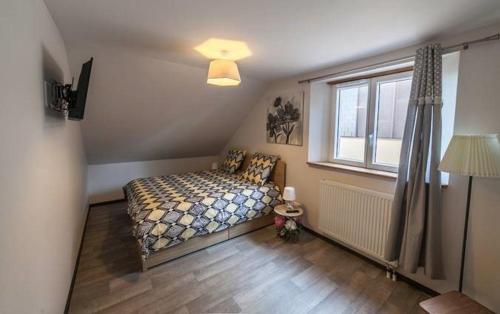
107 202
412 282
75 269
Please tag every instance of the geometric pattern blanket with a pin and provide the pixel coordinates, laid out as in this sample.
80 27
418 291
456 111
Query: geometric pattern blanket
168 210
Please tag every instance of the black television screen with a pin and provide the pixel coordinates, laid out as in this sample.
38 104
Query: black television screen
77 105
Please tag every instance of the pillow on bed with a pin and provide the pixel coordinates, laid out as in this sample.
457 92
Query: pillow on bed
233 160
260 168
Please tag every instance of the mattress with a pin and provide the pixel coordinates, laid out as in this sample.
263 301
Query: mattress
168 210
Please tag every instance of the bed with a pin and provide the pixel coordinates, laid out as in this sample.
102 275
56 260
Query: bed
175 215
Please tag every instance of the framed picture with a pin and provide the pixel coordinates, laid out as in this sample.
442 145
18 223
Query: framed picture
284 119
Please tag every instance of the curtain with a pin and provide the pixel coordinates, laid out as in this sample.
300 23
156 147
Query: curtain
414 238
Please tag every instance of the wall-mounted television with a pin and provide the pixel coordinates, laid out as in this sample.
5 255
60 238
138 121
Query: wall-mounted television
62 98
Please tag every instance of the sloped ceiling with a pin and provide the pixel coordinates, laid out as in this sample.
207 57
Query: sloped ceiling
142 108
148 98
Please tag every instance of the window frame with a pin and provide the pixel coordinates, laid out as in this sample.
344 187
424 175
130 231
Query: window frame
373 83
335 118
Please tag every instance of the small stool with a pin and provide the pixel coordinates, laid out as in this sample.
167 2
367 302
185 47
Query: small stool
453 302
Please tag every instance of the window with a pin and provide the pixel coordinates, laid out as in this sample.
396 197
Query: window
358 119
369 119
352 103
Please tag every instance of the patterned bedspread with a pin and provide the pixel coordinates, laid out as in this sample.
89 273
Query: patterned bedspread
168 210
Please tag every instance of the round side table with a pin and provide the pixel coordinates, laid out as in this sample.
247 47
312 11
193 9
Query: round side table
288 224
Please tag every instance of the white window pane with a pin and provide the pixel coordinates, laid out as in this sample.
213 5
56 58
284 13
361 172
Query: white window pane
352 104
387 151
392 98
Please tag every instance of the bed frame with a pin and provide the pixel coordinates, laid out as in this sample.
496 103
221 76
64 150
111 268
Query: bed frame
278 176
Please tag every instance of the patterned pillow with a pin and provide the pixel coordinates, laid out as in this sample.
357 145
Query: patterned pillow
233 160
260 168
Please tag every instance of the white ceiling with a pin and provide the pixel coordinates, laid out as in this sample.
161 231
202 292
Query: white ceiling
148 98
286 36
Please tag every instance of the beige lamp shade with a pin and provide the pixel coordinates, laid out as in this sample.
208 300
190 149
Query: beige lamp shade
473 155
289 193
223 73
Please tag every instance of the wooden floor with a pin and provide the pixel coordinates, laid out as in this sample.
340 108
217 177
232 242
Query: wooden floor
254 273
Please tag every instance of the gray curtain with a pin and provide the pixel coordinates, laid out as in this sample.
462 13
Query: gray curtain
414 235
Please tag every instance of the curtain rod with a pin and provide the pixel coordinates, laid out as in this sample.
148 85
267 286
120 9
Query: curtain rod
457 47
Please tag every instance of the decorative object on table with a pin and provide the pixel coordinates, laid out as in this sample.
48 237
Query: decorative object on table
288 224
215 166
284 119
289 196
472 156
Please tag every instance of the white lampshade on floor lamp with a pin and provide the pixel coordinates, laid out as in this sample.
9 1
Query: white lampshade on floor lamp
472 156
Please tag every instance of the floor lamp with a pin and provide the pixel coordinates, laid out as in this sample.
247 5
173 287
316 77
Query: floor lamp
472 156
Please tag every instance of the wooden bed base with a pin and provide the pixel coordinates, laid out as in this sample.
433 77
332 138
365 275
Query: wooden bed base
199 243
278 176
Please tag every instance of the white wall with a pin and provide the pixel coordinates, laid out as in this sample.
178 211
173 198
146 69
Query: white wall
478 109
105 181
43 168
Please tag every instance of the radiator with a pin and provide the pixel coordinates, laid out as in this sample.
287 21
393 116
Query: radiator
358 218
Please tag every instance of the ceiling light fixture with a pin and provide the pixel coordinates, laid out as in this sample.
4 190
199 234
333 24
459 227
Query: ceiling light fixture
223 70
215 48
223 73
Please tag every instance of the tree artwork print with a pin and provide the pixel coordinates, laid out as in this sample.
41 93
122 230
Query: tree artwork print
284 120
